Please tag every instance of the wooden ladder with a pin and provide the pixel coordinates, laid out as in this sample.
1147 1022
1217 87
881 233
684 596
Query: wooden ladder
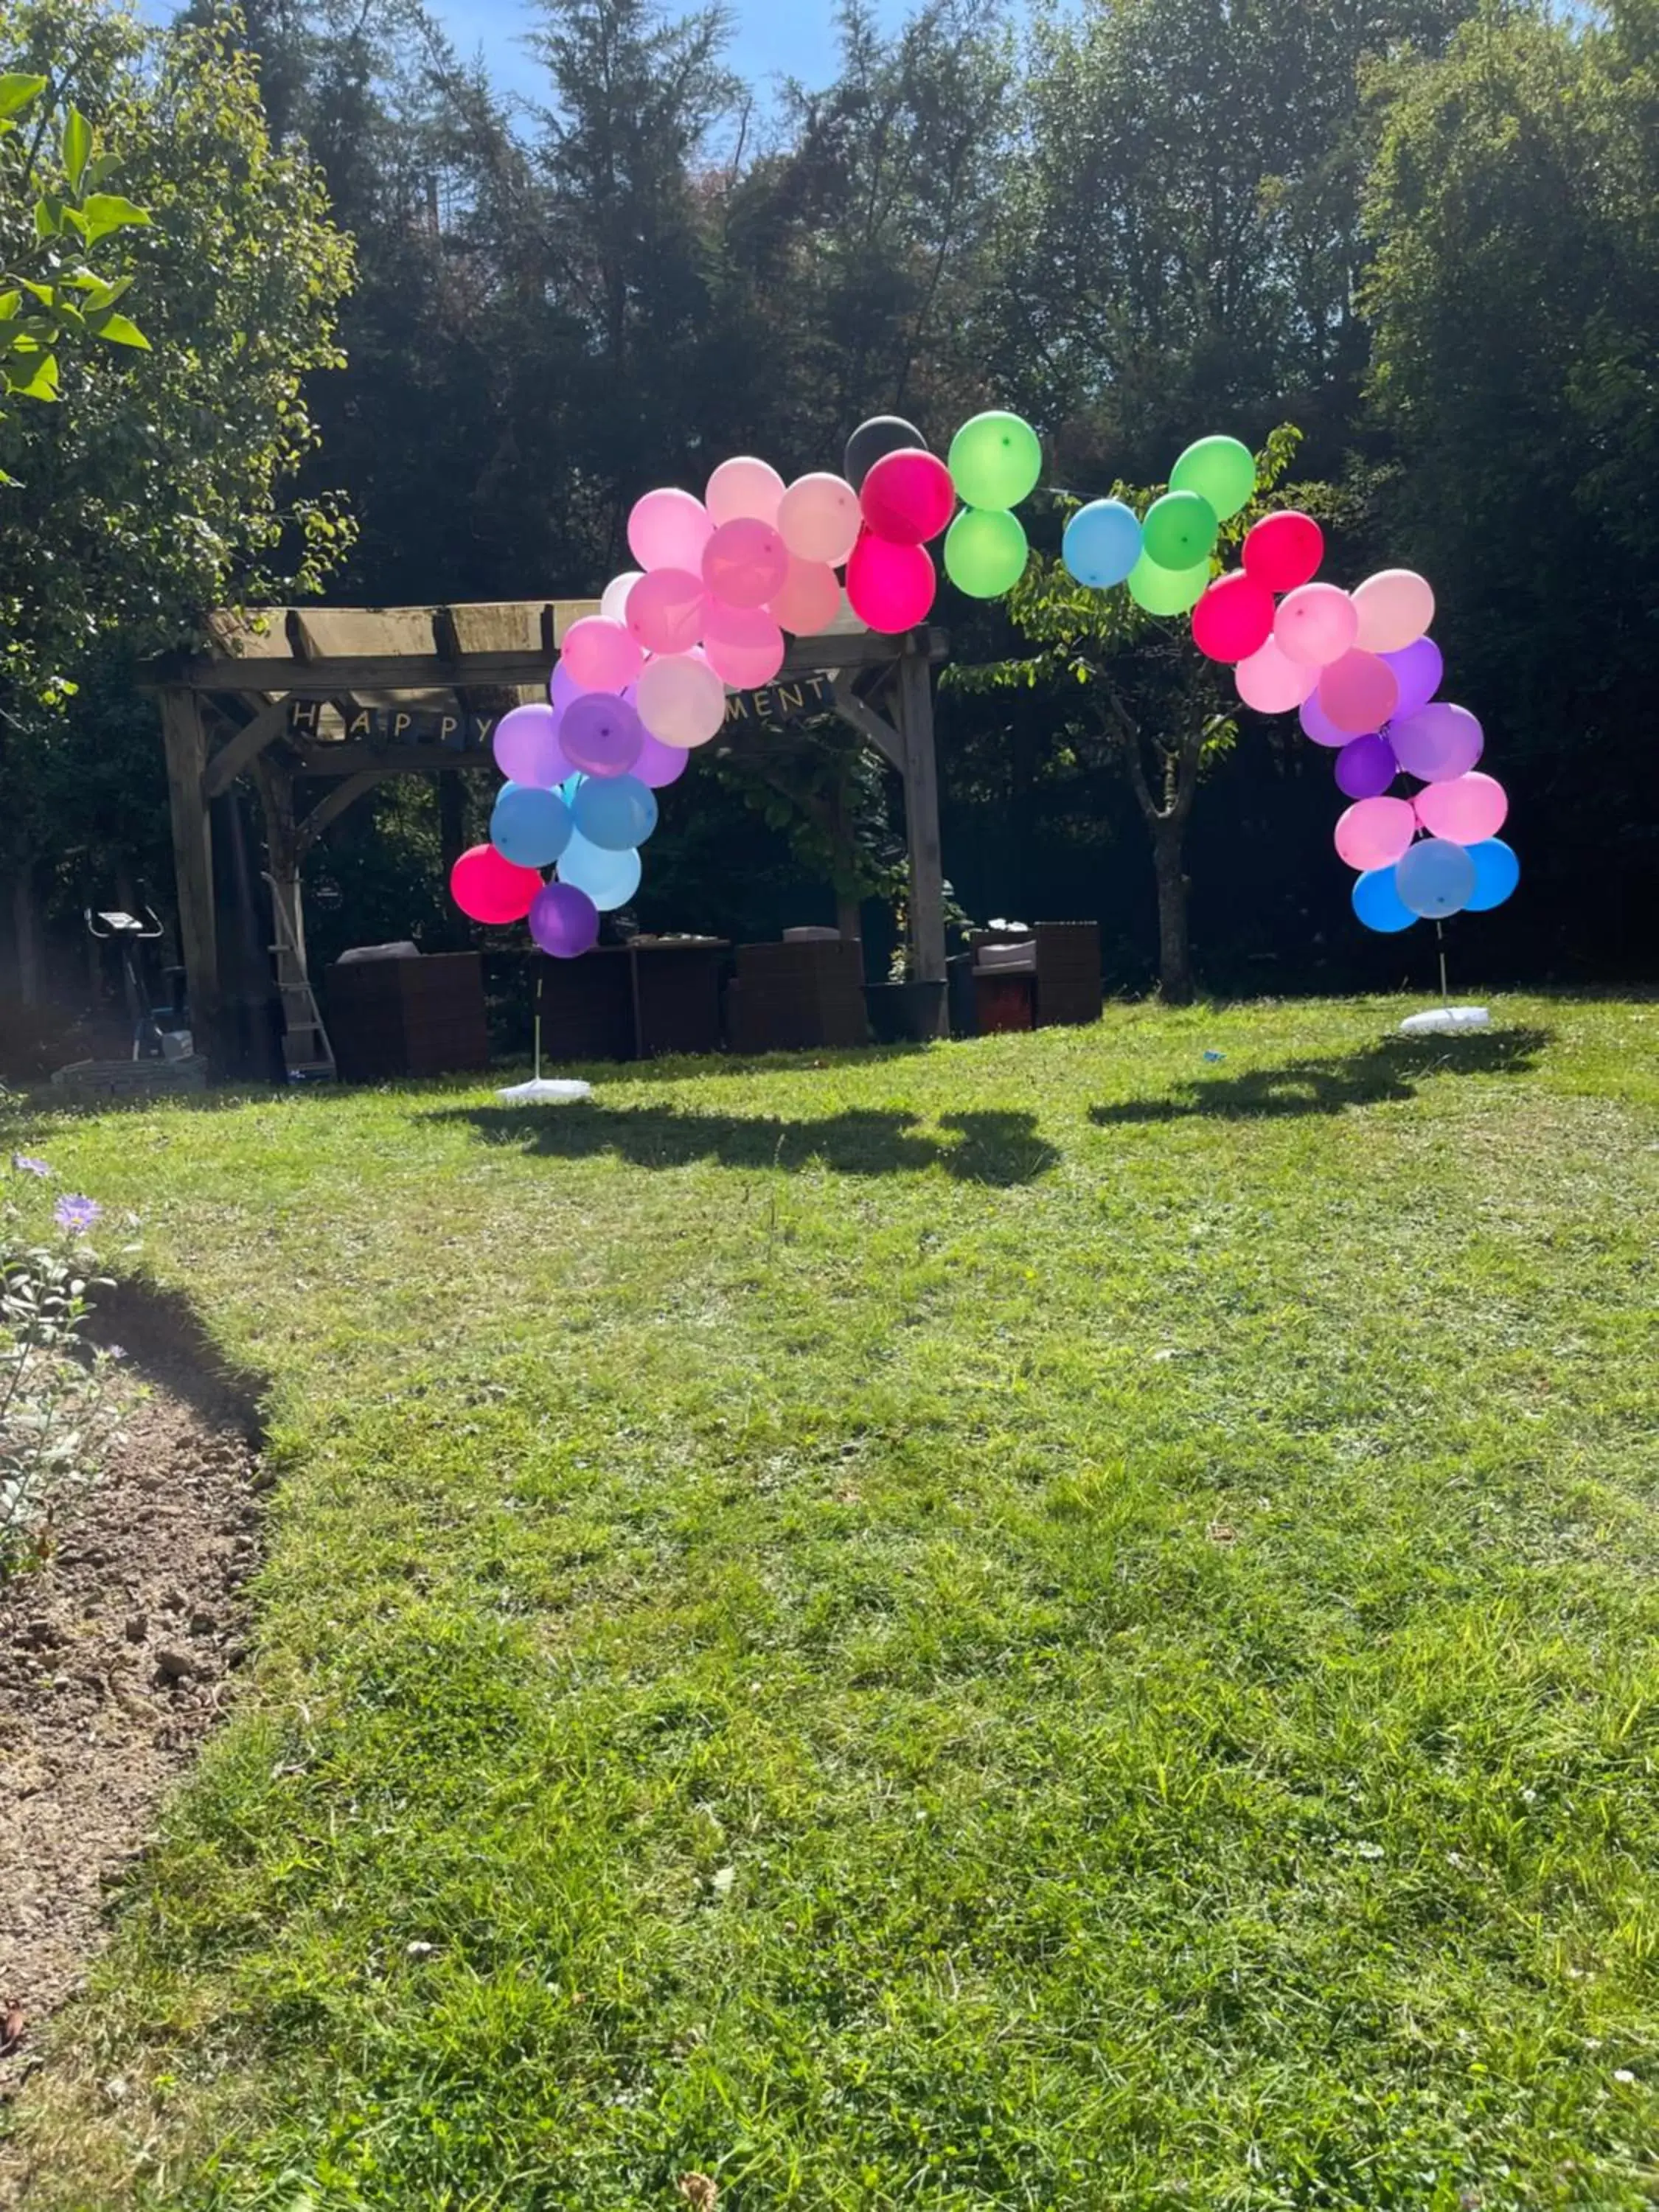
307 1053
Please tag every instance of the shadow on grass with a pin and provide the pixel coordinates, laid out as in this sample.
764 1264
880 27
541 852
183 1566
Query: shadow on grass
997 1149
1386 1074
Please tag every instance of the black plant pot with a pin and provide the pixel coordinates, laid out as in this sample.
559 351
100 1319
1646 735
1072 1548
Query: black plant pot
904 1013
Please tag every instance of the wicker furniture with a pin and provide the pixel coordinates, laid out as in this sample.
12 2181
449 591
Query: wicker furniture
633 1001
798 997
1064 976
410 1016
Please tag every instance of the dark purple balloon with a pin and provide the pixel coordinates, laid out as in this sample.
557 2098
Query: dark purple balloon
601 734
1418 668
1366 768
659 765
564 922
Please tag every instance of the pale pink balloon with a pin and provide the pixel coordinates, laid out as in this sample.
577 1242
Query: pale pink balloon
681 700
613 605
667 609
745 489
1376 832
1316 624
745 563
1395 609
1358 692
744 646
819 518
1465 812
600 655
668 530
809 601
1272 682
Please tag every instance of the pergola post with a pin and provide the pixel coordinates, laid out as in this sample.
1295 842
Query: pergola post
916 721
184 734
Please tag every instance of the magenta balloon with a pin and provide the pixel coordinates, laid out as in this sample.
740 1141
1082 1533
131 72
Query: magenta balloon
1465 812
1437 742
1358 693
744 646
908 496
600 655
667 610
1317 724
1374 833
1317 624
659 764
527 749
601 734
1366 767
1418 670
890 587
564 922
1234 619
1271 682
669 530
745 563
488 887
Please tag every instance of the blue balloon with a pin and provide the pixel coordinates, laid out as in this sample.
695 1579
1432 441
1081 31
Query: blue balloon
618 812
1497 873
1434 878
1102 543
530 828
1378 903
610 879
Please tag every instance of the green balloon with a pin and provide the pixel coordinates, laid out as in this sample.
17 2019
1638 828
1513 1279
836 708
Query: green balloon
1168 591
1220 470
985 551
1179 531
995 460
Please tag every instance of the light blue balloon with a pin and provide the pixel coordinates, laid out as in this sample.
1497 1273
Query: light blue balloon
570 787
1378 904
618 812
610 879
1497 873
1434 878
530 828
1102 543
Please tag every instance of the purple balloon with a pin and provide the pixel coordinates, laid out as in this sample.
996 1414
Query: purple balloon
659 764
1418 669
564 922
601 734
1318 724
1366 768
527 749
1436 742
560 691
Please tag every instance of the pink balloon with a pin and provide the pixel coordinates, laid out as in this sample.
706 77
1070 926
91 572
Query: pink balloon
1437 743
613 605
527 749
1317 624
1376 832
891 587
744 646
600 655
488 888
667 609
681 701
809 601
1234 618
819 518
907 496
744 564
1394 609
1358 692
1466 811
1283 550
1317 725
659 765
669 530
745 490
1272 682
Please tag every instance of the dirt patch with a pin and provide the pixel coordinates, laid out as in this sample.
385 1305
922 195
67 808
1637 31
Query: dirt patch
118 1657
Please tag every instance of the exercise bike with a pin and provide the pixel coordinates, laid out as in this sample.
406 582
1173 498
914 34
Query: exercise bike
161 1031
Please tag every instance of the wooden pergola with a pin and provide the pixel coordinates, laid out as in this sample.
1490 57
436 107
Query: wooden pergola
317 705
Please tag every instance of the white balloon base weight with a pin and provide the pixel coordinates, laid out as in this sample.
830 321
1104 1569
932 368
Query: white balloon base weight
1446 1021
546 1090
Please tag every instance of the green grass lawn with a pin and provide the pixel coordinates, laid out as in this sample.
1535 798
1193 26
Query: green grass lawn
1048 1623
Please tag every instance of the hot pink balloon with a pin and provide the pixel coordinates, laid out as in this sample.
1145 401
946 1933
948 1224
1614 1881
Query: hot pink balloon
659 765
809 601
819 518
744 647
1316 724
1283 550
1315 625
745 490
666 609
891 587
682 701
1358 692
527 749
907 496
600 655
490 889
1234 618
1465 812
1273 684
745 563
1437 743
1419 670
1394 609
1376 832
669 530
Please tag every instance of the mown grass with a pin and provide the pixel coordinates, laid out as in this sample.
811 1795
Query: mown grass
1051 1623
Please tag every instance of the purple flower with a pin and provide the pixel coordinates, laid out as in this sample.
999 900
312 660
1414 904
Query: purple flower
25 1165
116 1351
77 1213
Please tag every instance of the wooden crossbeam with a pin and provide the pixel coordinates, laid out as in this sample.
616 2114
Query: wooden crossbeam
243 749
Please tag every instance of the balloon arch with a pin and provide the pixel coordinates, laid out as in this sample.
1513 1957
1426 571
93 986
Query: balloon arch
638 687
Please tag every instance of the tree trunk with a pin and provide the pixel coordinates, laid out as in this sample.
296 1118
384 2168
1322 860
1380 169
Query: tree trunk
848 919
1175 959
22 920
